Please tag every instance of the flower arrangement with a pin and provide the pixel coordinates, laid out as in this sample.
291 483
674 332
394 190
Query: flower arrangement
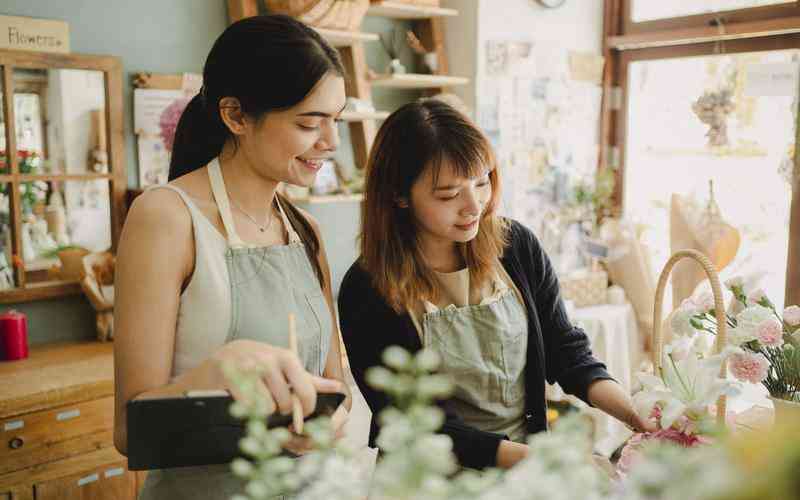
765 344
419 464
681 399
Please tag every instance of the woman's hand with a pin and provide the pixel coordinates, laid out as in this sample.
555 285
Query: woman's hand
282 375
639 424
300 444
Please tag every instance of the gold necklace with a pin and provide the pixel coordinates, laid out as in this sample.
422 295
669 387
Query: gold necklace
260 227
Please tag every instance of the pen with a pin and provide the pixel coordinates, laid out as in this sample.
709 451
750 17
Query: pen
297 408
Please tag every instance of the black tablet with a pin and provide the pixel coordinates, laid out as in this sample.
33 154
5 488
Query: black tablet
194 430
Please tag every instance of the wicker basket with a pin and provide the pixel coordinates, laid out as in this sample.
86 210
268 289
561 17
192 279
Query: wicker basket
719 309
331 14
585 290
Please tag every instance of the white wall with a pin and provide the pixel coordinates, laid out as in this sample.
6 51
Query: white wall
577 25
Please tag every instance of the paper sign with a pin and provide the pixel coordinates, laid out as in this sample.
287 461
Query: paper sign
27 33
148 104
586 67
772 79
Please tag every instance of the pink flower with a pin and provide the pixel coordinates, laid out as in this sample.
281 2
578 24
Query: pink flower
770 333
632 452
168 121
791 315
749 367
756 296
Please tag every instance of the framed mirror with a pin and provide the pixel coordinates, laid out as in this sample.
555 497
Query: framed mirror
62 171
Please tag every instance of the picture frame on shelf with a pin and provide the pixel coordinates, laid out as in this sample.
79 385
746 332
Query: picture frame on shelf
327 180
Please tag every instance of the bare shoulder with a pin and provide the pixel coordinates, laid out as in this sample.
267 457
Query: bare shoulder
159 209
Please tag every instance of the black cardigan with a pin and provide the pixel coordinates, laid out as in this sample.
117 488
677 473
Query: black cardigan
557 351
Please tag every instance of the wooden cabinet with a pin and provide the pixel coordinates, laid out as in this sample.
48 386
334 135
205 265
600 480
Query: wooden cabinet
56 427
108 481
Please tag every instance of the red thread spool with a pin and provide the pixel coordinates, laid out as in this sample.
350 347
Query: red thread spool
13 335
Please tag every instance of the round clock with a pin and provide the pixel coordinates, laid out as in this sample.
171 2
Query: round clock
551 4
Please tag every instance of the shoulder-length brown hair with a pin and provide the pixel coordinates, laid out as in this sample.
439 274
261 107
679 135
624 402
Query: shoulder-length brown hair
421 135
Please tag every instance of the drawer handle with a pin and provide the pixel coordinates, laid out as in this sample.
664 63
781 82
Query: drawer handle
88 479
16 443
66 415
117 471
12 426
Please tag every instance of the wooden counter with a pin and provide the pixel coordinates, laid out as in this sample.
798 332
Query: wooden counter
55 375
56 426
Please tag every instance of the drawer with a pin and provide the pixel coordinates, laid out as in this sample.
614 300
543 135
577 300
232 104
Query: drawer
48 435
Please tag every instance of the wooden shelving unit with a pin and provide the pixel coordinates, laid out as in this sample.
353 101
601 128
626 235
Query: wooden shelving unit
429 28
400 10
339 38
415 81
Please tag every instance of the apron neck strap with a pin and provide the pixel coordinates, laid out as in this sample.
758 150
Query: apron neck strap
293 236
223 205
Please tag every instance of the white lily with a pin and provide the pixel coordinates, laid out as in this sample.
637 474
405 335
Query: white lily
686 386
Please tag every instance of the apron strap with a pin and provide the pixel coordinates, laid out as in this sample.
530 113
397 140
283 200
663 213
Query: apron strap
221 197
293 236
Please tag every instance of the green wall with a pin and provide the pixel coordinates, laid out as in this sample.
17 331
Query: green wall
173 37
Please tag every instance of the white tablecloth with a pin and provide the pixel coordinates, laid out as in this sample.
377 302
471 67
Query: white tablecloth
614 336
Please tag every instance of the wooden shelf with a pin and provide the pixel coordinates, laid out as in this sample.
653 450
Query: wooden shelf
339 38
399 10
415 81
333 198
357 117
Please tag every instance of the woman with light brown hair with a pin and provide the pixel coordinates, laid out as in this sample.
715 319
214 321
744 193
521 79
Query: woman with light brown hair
440 269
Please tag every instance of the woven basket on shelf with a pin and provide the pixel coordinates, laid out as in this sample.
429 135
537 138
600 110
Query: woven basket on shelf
585 290
719 310
331 14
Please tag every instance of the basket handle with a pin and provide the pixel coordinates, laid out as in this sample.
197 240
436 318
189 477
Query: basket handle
719 311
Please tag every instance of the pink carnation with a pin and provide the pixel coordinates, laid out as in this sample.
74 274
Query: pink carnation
791 315
631 453
749 367
770 333
168 121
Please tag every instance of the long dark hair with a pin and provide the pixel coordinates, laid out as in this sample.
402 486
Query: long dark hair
268 63
390 249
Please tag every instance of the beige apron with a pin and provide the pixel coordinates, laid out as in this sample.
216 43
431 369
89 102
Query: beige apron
266 284
484 350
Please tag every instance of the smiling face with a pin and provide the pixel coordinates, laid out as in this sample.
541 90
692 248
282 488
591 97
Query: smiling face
290 145
448 209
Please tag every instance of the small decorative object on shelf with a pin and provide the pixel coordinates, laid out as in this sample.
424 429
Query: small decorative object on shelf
332 14
327 181
430 60
97 282
390 45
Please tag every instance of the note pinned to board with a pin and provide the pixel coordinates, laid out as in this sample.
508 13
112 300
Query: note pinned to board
586 67
772 79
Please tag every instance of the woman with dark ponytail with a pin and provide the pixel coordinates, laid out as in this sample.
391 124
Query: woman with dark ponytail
212 265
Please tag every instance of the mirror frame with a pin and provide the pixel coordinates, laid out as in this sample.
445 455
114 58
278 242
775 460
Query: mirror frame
111 67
